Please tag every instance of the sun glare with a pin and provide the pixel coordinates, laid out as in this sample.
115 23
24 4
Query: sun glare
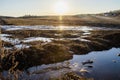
61 7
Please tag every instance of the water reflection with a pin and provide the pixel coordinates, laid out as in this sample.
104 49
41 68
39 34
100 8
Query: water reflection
105 66
61 28
43 27
99 70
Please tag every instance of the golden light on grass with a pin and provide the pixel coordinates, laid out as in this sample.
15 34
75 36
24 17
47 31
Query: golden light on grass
60 18
61 7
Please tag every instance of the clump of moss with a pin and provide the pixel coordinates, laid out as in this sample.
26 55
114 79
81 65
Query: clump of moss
56 53
74 76
79 48
37 55
71 76
114 38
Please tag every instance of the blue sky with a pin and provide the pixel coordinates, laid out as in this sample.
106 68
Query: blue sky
46 7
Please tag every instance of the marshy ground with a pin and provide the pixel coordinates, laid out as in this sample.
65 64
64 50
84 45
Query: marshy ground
62 51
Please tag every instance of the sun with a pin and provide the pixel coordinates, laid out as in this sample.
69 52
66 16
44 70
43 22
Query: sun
60 7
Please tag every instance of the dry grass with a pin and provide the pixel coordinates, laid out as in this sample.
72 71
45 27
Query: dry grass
71 76
93 20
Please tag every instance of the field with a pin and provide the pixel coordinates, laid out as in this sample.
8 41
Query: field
75 20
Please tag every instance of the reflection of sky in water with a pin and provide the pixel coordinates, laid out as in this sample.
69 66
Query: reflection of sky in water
103 66
43 27
106 64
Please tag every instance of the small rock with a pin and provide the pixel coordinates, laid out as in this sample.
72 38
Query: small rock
118 54
83 70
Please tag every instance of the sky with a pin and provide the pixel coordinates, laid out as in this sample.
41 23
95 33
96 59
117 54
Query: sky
47 7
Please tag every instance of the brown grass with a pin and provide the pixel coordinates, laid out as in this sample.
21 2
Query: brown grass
92 20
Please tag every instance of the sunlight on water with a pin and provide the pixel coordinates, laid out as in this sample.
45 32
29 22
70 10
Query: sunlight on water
61 28
86 29
44 27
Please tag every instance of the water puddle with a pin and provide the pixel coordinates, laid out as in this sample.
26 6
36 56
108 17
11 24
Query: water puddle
98 69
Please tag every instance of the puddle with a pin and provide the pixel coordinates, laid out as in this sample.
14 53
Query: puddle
101 61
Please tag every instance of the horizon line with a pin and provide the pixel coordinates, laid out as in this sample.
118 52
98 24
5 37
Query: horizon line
59 15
